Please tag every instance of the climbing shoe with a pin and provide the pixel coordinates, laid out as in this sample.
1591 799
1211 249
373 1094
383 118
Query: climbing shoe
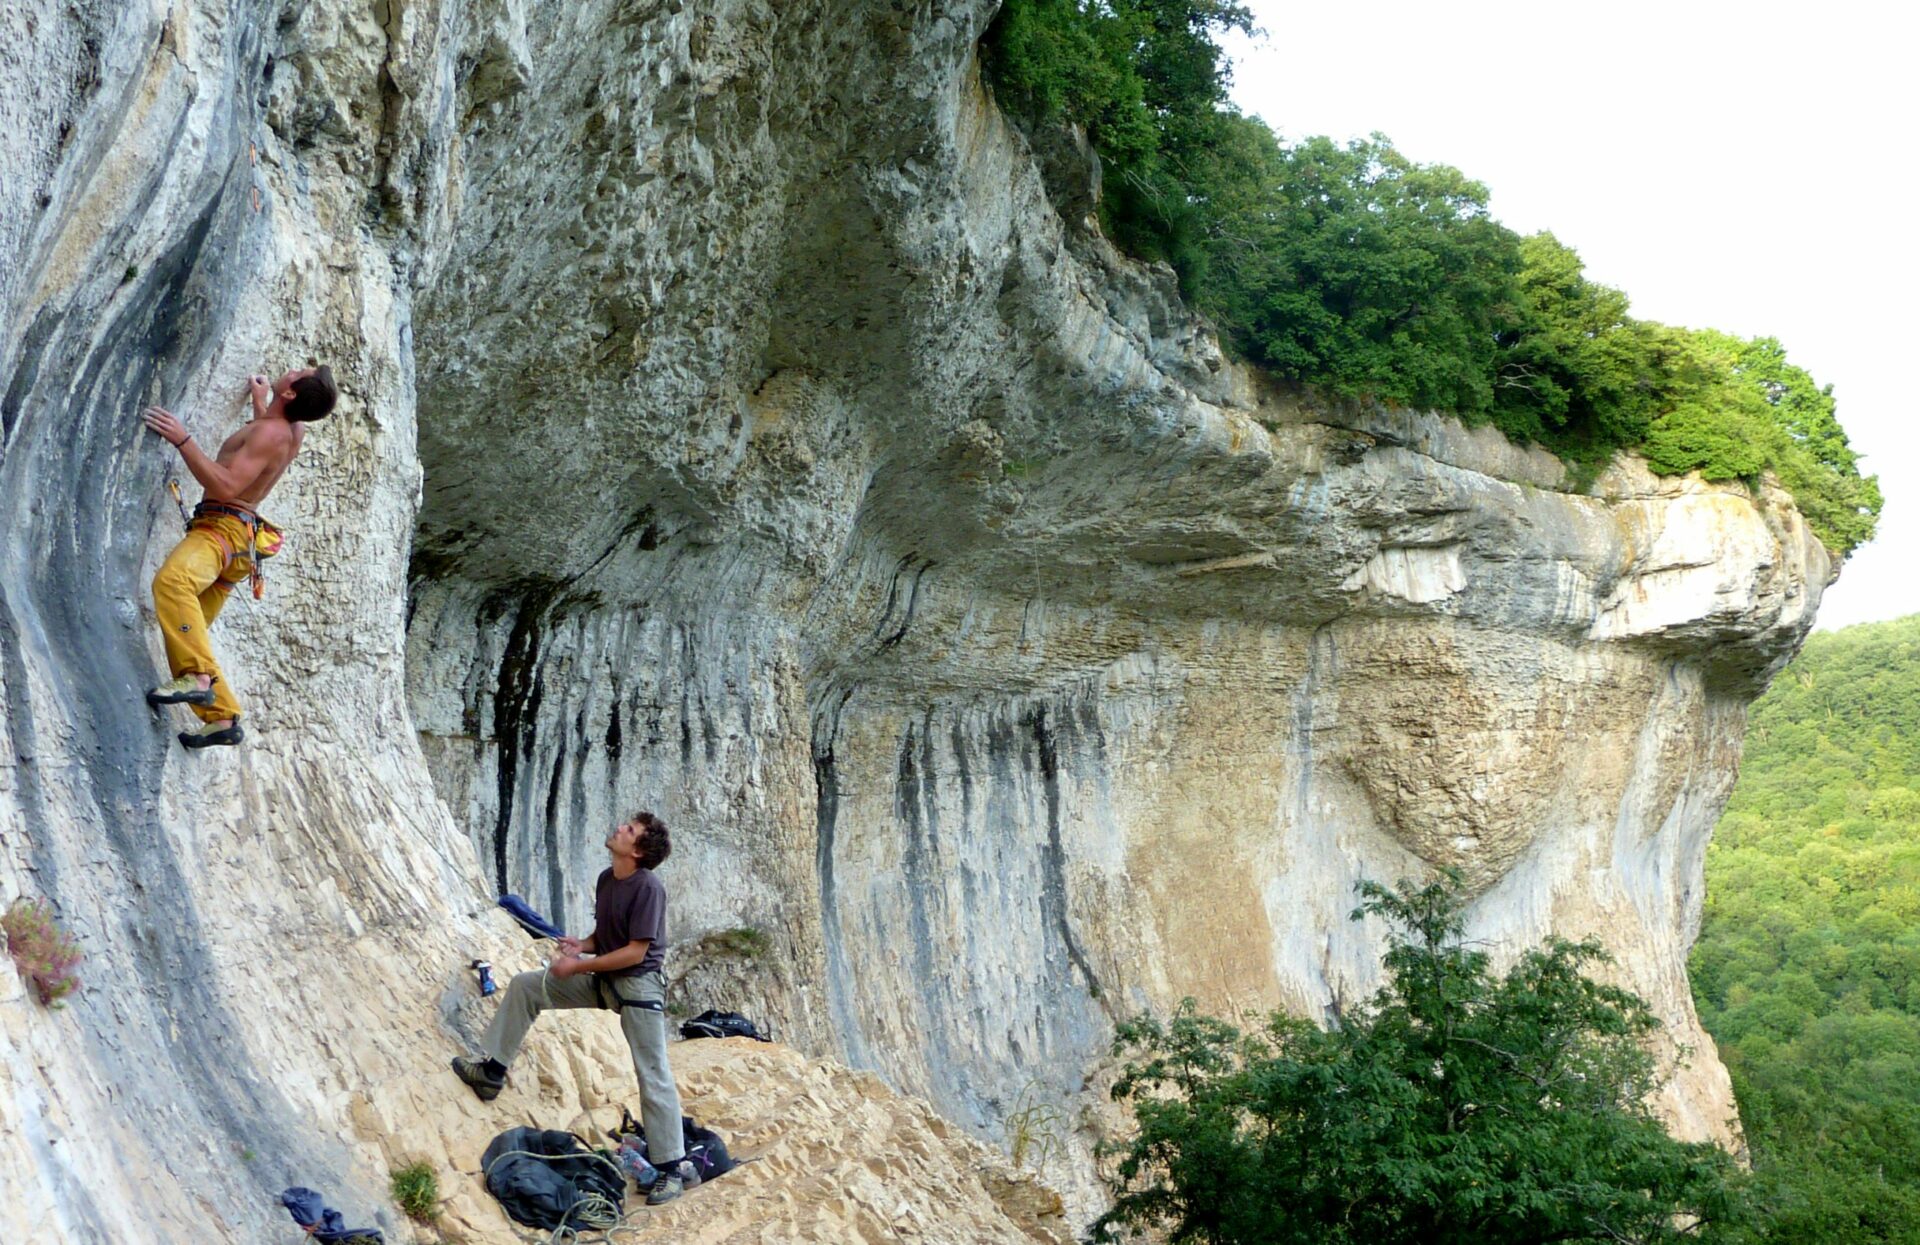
185 690
665 1190
211 736
479 1077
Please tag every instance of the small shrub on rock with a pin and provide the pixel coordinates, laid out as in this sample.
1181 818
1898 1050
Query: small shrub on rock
45 954
417 1190
745 943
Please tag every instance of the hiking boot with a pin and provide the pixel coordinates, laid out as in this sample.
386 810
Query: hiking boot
211 736
485 1085
185 690
665 1190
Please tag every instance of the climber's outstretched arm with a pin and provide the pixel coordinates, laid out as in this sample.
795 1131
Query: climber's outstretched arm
223 481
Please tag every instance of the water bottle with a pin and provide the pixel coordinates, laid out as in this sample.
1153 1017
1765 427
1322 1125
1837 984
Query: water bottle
633 1160
484 971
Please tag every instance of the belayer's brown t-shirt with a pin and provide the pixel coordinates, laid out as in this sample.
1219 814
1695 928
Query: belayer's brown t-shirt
629 910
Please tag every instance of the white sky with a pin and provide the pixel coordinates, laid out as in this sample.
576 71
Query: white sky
1747 167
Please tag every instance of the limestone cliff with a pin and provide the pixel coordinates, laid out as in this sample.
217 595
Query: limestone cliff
732 426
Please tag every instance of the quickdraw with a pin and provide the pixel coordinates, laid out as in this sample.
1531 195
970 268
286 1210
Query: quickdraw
253 561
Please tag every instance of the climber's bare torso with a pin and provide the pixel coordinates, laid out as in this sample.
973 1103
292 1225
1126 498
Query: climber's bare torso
251 461
270 442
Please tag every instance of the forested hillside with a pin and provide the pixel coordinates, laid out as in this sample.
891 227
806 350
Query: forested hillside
1807 971
1354 270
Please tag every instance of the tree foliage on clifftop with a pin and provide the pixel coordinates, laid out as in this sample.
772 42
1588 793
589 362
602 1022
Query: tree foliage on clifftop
1355 270
1455 1108
1807 972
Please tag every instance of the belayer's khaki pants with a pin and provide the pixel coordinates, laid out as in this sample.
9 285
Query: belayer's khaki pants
645 1027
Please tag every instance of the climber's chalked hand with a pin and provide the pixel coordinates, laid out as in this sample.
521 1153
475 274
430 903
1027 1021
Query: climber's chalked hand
162 423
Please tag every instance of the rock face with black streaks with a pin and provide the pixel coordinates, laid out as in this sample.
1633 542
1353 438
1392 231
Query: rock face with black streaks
732 426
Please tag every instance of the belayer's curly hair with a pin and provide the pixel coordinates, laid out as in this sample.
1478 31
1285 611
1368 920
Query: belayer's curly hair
655 844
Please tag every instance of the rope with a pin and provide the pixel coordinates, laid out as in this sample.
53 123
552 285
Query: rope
594 1210
358 1238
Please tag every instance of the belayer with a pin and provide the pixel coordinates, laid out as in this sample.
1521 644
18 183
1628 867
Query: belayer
618 967
226 538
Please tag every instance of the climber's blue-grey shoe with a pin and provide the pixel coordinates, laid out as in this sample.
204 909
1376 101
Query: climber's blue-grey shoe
212 736
185 690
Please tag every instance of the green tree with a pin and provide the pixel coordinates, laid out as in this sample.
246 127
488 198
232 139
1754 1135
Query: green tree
1807 971
1360 271
1356 271
1708 420
1457 1106
1148 83
1574 370
1813 459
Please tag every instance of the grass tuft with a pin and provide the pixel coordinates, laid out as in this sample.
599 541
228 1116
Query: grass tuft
1033 1128
417 1190
745 943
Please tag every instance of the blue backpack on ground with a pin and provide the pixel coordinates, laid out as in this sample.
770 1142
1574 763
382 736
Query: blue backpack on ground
322 1222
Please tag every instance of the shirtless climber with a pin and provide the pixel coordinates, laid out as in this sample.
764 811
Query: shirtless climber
219 549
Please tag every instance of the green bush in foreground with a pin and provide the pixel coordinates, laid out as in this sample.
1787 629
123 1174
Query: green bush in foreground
1359 272
417 1191
1455 1108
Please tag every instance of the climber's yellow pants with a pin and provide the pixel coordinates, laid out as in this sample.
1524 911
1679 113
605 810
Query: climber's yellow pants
189 590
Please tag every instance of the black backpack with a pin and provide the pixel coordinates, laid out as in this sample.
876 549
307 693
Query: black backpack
705 1150
712 1024
544 1177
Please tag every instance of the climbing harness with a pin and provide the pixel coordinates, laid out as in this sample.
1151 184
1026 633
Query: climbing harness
609 997
612 1000
264 539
